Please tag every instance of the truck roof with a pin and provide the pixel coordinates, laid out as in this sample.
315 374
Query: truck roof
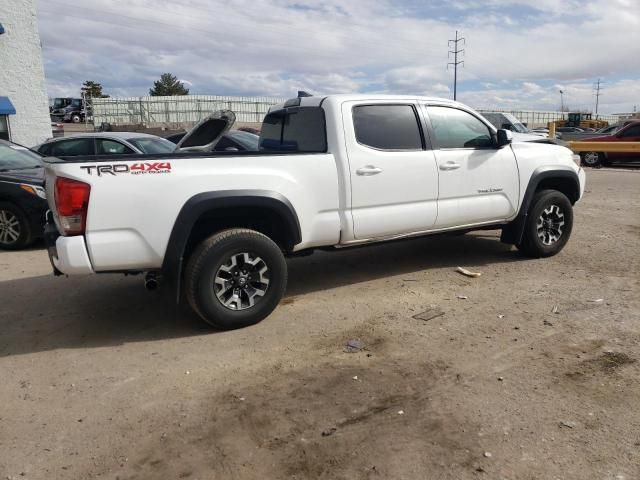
315 101
120 135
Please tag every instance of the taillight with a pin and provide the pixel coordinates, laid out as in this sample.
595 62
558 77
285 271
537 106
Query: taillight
72 202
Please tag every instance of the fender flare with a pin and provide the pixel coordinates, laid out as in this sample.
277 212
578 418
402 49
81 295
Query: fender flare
513 232
204 202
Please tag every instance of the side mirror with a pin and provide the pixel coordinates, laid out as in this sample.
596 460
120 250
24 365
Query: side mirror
504 137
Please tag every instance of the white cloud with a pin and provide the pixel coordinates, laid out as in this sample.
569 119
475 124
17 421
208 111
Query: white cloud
275 47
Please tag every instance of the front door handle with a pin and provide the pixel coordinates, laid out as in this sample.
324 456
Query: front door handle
368 170
450 166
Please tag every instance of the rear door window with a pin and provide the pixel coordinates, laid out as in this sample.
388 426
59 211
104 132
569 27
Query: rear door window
73 147
294 129
387 127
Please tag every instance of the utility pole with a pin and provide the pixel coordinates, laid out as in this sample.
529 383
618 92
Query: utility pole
562 102
455 62
597 94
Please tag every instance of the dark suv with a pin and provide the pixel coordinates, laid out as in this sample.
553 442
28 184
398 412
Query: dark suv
22 198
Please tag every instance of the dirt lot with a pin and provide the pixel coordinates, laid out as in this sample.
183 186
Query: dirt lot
101 379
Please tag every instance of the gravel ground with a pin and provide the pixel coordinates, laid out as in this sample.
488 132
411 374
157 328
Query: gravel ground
534 375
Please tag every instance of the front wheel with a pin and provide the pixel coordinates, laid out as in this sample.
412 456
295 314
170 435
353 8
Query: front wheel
235 278
548 226
14 227
592 159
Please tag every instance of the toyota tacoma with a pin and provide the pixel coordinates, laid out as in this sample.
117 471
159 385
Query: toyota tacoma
331 172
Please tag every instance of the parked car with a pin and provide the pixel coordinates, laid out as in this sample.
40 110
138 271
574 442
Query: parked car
629 133
22 196
509 122
545 132
255 131
232 141
331 172
104 143
610 130
57 129
569 130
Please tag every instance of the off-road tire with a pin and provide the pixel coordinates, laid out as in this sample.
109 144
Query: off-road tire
25 236
203 268
543 201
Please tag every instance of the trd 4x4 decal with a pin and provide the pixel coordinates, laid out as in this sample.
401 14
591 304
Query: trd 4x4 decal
135 169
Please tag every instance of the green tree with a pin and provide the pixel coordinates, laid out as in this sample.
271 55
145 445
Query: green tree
168 85
92 89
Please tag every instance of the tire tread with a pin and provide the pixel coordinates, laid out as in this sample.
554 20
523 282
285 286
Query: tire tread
530 245
199 257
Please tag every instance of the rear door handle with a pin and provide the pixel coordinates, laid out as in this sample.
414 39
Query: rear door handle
368 170
450 166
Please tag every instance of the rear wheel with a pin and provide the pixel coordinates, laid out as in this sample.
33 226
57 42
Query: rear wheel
592 159
235 278
548 226
14 227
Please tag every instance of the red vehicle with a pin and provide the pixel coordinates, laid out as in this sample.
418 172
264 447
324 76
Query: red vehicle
629 133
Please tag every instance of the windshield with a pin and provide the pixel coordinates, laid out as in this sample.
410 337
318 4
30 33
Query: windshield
76 102
248 140
153 145
15 157
58 103
516 125
610 130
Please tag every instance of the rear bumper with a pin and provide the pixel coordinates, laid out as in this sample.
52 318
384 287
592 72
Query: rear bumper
68 255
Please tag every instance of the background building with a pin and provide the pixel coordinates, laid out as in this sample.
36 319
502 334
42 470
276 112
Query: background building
24 106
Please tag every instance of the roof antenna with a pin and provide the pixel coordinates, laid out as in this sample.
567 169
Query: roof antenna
302 93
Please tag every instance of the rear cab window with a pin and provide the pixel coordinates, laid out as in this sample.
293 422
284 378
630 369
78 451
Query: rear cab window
294 129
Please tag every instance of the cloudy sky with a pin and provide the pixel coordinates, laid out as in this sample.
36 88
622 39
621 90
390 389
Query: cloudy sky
518 53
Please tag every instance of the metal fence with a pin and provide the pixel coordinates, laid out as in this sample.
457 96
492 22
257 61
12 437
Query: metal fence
188 109
177 110
535 118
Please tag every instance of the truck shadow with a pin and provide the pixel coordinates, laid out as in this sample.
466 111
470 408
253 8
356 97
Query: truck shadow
45 313
325 270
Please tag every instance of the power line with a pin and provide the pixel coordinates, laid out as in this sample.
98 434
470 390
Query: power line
597 87
455 62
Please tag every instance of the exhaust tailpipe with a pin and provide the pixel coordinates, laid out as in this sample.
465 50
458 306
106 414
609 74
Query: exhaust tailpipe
151 281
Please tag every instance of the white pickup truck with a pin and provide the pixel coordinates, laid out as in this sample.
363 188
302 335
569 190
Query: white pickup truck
331 172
